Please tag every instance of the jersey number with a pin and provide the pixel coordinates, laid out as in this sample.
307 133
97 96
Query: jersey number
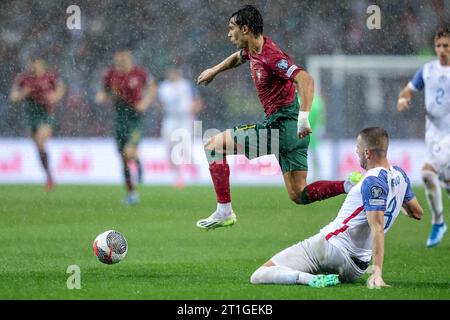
439 95
389 211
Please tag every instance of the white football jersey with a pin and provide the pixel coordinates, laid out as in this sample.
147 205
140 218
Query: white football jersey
435 79
379 190
176 98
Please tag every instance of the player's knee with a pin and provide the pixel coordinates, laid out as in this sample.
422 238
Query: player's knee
429 178
258 276
295 196
129 153
209 145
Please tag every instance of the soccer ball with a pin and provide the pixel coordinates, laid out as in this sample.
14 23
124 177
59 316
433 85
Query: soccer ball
110 247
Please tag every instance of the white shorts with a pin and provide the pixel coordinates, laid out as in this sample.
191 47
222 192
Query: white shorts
317 256
439 156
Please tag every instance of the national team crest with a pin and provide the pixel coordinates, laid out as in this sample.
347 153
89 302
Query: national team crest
258 74
283 64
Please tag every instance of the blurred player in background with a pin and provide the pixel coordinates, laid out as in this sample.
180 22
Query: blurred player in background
434 77
276 79
132 90
41 89
344 248
180 102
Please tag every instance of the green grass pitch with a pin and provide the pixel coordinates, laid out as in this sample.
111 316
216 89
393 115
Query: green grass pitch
170 258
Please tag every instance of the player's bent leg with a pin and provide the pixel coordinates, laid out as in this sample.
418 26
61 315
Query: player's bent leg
300 193
295 182
433 194
40 137
216 150
269 273
129 153
297 264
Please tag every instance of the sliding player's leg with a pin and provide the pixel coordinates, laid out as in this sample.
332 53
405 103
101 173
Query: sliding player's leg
298 264
293 158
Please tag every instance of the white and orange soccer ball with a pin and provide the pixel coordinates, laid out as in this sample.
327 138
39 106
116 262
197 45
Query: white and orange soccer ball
110 247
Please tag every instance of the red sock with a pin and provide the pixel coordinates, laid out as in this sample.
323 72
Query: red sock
220 174
321 190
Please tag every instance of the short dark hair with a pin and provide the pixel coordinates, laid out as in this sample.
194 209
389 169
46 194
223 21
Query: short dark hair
442 32
249 16
375 139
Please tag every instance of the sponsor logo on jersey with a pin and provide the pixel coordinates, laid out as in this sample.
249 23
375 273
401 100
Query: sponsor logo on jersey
377 202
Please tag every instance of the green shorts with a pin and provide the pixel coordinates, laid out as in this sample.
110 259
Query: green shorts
276 135
128 126
37 116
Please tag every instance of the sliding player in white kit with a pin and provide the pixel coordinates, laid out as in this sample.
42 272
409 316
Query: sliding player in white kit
341 251
180 103
434 77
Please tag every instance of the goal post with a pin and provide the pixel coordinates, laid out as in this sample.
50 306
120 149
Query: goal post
362 90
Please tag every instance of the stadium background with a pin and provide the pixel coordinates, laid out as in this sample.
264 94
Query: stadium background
196 41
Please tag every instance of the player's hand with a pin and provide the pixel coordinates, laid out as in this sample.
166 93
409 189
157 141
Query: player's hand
403 104
303 126
375 281
52 98
206 77
141 107
20 94
101 97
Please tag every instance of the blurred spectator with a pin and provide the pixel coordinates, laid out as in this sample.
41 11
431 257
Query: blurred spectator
164 33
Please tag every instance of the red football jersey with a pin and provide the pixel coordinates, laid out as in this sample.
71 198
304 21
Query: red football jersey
126 86
273 73
40 87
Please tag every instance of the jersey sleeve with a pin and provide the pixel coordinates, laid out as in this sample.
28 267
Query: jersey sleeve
107 80
374 193
282 66
147 76
417 82
409 194
21 81
244 55
54 79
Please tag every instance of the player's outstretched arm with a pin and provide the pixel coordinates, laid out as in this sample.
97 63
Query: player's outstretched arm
18 94
101 97
404 99
413 209
305 87
376 223
56 95
231 62
149 97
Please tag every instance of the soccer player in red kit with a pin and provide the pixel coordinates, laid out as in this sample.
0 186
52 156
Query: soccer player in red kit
41 89
132 90
285 130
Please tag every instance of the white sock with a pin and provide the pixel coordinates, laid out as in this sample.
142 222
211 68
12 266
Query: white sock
434 196
280 275
223 210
